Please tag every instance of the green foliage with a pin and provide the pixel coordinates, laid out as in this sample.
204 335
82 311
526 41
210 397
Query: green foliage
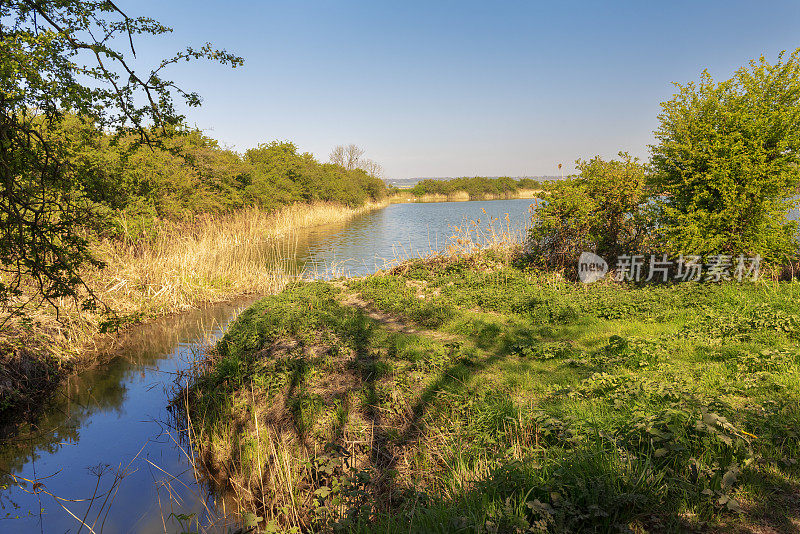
185 173
727 159
537 405
602 211
57 57
280 175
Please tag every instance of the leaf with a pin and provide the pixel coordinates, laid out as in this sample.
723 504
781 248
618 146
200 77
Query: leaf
322 492
659 453
250 520
733 505
729 479
271 528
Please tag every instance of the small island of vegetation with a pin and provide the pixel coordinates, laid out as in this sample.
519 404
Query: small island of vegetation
480 188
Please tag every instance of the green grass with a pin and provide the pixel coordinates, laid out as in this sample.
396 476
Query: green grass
520 403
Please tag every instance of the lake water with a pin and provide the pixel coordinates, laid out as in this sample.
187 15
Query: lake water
401 231
108 432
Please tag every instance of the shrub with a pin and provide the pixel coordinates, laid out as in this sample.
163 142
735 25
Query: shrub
602 211
726 162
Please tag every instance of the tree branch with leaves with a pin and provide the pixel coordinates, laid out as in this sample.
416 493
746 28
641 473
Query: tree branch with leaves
78 57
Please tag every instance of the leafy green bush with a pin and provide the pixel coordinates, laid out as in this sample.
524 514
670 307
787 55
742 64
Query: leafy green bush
281 175
726 162
183 173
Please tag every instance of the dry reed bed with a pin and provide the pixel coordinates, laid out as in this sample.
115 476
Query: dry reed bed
184 265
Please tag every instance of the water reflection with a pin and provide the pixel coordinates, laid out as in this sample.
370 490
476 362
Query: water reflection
398 232
112 420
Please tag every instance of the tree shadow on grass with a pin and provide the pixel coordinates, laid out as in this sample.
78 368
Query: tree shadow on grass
596 491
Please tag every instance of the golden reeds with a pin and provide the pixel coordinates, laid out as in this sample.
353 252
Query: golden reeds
188 264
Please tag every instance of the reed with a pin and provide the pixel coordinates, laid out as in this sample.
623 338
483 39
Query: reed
182 265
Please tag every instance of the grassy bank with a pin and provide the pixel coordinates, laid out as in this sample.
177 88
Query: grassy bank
468 393
174 267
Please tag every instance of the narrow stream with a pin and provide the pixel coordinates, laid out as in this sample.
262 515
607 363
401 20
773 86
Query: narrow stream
108 432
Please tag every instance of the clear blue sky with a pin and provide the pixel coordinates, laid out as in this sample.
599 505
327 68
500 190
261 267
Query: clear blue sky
458 88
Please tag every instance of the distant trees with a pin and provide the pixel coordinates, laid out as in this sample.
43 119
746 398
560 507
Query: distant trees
347 156
351 157
727 162
477 186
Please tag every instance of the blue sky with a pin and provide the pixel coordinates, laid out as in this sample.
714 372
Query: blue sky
457 88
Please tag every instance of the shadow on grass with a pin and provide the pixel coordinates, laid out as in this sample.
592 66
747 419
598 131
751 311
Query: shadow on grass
596 485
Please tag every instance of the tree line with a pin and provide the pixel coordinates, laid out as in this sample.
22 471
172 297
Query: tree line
183 173
478 186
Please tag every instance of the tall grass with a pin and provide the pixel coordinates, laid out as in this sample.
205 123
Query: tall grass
181 265
472 235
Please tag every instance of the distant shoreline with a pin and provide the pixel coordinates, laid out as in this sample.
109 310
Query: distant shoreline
463 196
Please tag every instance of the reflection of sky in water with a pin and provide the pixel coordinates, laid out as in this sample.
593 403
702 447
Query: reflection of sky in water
398 232
112 416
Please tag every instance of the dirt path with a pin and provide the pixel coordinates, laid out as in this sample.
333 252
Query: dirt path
389 321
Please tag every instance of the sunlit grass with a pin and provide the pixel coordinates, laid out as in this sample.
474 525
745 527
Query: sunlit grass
520 400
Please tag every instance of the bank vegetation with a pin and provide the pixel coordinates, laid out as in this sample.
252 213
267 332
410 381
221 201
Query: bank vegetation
485 389
475 188
171 224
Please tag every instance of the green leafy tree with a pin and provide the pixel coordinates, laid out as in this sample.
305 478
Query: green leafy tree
59 56
281 175
726 162
562 227
617 191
